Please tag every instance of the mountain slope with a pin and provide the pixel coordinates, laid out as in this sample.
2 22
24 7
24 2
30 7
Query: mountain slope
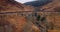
11 5
12 21
53 6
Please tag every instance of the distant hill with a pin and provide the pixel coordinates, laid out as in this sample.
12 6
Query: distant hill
38 3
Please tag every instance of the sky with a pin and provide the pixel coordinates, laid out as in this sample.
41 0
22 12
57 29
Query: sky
24 1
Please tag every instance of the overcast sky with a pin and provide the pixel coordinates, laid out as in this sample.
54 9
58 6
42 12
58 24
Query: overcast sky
23 1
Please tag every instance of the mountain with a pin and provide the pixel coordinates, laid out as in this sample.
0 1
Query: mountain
26 22
11 5
11 20
53 6
53 15
38 3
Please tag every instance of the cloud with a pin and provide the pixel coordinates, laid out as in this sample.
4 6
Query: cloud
23 1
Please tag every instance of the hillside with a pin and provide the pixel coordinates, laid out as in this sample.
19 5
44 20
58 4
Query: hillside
12 20
53 6
11 5
53 11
